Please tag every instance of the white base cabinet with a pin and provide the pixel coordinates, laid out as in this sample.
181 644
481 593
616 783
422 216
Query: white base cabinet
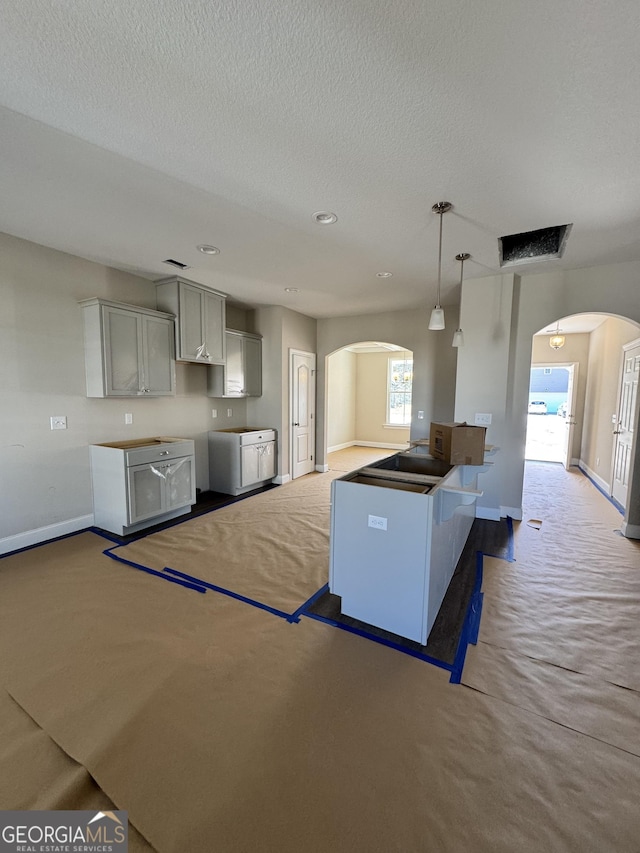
140 483
397 531
241 459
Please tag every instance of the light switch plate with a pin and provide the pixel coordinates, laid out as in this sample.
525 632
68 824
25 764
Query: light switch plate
58 422
128 418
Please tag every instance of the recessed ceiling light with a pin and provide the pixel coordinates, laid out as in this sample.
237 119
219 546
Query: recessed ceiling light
384 274
292 289
323 217
208 250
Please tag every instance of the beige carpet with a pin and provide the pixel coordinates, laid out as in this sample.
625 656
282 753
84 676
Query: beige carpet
220 727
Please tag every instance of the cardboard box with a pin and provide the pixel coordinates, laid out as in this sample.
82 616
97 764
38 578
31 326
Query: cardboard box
457 443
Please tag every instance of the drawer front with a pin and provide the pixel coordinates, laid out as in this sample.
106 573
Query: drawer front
258 437
158 453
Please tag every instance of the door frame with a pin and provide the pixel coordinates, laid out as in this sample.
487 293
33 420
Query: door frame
575 365
625 347
312 411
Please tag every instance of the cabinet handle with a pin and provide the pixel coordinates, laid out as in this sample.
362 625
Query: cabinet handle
164 452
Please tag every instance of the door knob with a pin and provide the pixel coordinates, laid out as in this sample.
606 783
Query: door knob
617 431
296 424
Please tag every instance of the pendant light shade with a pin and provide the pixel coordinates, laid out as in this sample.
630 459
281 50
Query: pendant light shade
557 340
436 321
458 337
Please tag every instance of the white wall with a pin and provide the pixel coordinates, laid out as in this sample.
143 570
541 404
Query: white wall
341 399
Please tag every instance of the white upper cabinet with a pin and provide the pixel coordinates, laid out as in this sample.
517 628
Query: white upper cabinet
128 350
241 375
200 323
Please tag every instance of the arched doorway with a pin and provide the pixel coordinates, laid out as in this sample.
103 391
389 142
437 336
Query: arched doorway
368 396
597 424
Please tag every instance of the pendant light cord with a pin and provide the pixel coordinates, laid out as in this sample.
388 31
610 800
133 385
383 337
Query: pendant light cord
439 261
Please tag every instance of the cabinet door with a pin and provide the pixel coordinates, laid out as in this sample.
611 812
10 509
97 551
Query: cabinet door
158 366
214 315
180 483
252 367
123 352
250 465
146 489
192 335
267 458
234 369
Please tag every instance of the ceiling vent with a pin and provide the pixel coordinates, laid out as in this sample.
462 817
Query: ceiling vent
532 246
173 263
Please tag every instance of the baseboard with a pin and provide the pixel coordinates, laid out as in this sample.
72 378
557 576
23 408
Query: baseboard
322 469
281 479
514 512
631 531
404 446
358 443
337 447
596 478
19 541
488 512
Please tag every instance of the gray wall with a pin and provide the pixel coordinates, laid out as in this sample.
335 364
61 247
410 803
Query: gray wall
499 315
434 362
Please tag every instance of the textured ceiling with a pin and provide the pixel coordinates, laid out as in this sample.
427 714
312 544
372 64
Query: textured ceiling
133 131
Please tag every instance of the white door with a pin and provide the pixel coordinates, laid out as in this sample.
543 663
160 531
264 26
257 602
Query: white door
570 420
624 428
302 381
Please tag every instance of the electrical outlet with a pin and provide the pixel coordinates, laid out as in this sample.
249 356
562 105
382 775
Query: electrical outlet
420 416
229 412
128 418
482 419
214 413
377 522
58 422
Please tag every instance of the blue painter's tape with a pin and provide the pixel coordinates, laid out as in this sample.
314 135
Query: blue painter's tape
611 499
110 537
510 548
381 640
227 592
476 613
471 624
140 567
295 617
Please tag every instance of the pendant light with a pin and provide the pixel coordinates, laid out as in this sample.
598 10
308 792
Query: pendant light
436 320
458 336
557 340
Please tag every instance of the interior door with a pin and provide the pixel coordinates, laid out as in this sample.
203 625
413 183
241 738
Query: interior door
302 376
570 420
624 428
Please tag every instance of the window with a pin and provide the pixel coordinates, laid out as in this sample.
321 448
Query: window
399 384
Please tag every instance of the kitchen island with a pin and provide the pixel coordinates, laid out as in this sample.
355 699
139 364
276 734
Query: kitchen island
398 528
